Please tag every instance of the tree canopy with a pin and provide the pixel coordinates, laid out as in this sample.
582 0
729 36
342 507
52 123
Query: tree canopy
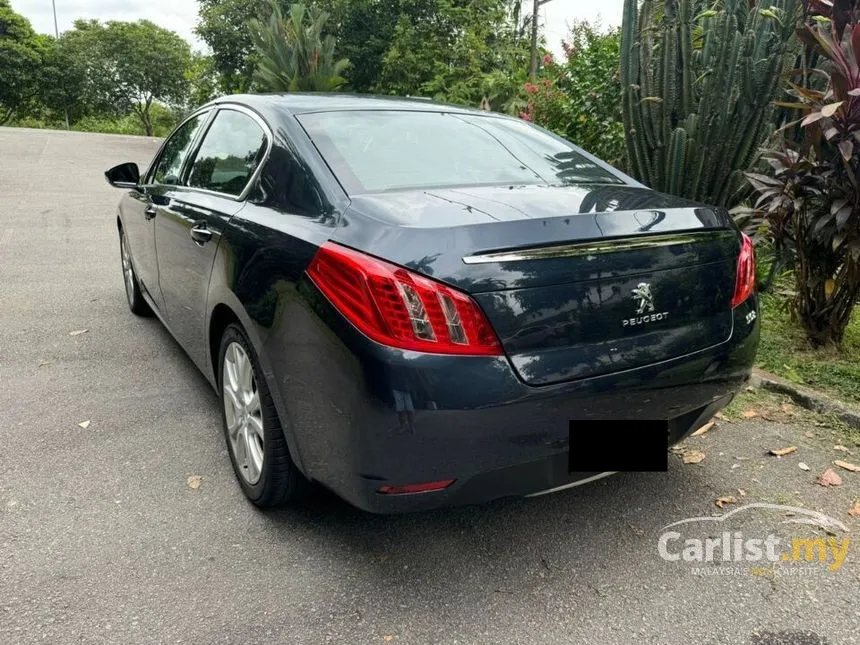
21 54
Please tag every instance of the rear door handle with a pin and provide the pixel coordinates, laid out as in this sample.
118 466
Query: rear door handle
150 212
200 234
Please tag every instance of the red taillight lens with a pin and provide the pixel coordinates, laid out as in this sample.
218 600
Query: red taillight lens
411 489
745 283
399 308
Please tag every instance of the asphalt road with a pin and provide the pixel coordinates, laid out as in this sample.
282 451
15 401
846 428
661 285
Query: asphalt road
103 541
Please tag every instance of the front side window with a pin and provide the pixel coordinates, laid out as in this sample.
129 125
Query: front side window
169 166
232 149
383 150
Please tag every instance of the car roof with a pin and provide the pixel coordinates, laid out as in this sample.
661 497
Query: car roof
302 103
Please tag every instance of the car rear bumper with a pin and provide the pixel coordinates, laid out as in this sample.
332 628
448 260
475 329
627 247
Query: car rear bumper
360 416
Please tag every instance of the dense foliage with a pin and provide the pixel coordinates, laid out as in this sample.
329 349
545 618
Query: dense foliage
21 52
293 55
579 97
810 200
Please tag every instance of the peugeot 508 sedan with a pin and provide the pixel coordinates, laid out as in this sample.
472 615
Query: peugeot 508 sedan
418 305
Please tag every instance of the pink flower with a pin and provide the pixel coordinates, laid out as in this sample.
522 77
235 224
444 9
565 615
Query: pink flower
525 116
547 59
530 88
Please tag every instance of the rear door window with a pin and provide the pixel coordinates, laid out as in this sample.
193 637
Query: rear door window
232 149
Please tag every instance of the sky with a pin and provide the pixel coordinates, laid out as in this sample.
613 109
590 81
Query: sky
181 15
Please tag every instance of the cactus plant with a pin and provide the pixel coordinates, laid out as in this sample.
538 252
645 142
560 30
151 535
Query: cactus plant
698 83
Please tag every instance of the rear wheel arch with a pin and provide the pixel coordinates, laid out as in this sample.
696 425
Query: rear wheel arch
222 316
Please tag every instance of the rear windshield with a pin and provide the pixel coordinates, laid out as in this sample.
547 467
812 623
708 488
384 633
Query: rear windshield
381 150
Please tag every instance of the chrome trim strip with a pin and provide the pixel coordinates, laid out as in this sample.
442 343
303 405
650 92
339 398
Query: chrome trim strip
573 485
595 247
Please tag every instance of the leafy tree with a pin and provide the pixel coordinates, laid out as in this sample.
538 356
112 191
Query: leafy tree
294 55
21 53
129 65
202 79
364 30
223 25
453 50
579 97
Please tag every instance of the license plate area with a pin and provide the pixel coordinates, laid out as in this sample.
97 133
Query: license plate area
619 446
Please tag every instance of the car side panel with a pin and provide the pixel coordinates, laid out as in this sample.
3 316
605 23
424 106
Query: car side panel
139 229
260 261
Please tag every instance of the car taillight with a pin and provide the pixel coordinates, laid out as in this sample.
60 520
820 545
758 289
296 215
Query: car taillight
399 308
745 283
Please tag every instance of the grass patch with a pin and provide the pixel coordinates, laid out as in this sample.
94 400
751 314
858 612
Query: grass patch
784 351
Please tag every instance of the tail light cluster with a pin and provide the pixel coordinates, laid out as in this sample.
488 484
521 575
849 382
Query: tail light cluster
745 283
399 308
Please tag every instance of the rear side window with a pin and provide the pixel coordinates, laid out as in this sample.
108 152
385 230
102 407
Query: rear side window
383 150
169 166
231 150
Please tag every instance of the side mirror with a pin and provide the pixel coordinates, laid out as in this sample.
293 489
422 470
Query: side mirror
125 175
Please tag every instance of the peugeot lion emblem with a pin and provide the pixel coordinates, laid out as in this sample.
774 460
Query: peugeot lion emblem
646 311
644 298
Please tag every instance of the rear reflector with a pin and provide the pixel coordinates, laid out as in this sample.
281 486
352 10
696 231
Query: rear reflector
745 283
409 489
399 308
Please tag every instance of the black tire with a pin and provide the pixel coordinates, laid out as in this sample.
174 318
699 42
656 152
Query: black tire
280 481
133 295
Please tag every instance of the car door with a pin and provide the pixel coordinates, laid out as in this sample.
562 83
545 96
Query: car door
190 223
141 210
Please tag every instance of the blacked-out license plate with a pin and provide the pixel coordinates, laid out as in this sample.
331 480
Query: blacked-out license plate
619 446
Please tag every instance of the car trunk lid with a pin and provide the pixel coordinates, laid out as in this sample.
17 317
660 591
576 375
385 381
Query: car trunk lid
576 295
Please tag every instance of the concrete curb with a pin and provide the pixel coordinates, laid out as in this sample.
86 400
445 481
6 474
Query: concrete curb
806 397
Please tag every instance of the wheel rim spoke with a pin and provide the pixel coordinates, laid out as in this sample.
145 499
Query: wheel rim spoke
242 413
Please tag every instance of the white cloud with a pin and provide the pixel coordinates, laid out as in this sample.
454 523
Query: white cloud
181 15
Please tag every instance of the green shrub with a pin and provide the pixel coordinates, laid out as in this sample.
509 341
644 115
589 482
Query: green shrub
579 97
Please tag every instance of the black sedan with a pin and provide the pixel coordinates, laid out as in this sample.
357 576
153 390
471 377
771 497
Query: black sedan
417 305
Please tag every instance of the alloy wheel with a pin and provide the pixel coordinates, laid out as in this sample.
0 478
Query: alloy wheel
127 270
242 412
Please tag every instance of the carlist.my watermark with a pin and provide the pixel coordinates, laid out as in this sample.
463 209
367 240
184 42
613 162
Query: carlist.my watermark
727 552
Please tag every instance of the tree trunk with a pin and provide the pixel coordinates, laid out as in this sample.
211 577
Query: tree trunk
533 66
143 112
5 118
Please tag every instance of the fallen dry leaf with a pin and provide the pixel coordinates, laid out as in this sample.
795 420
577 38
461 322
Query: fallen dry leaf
749 414
842 449
693 456
854 511
85 424
78 332
802 466
742 492
723 501
388 638
703 429
720 416
829 478
194 481
735 466
782 452
854 468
